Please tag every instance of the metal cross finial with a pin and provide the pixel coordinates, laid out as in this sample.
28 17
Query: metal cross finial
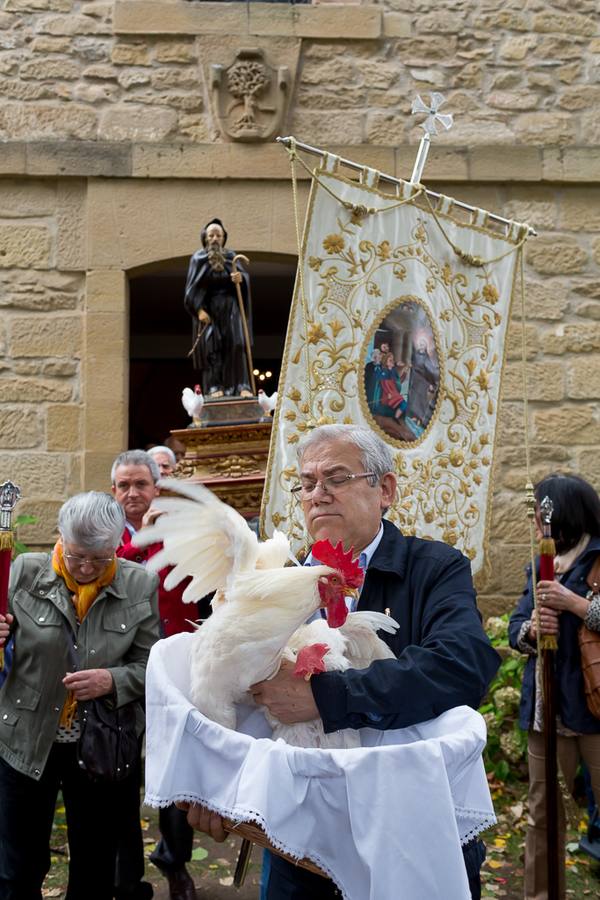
9 495
546 510
434 118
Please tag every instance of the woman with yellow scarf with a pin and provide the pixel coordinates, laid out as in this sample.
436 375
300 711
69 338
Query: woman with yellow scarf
107 607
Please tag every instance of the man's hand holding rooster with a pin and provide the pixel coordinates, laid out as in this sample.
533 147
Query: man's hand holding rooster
286 696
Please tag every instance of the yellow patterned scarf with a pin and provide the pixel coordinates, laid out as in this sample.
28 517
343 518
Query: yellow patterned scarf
83 595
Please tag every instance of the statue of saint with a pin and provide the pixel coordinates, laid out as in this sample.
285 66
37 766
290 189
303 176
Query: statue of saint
211 299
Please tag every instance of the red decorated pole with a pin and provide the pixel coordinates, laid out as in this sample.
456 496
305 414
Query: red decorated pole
9 494
548 647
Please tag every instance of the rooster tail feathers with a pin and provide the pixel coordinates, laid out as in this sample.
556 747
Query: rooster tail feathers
376 621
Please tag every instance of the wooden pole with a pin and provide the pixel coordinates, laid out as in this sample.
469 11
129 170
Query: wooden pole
240 299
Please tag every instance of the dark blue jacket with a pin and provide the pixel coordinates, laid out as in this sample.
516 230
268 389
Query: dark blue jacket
444 658
570 696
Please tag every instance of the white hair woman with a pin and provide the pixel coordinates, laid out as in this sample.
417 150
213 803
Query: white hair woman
79 593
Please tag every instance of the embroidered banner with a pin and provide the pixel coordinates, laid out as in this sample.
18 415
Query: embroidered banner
398 323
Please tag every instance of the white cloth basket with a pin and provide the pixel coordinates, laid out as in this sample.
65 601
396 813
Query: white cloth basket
384 821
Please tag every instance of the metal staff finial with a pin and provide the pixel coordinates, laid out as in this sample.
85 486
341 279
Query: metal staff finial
430 127
9 496
546 510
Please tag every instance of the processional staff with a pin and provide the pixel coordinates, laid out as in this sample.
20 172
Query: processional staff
9 495
547 647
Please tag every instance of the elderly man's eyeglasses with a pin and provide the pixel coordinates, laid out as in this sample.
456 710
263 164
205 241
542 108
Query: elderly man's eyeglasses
333 484
82 560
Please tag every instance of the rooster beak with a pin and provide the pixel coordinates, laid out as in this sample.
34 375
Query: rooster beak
351 592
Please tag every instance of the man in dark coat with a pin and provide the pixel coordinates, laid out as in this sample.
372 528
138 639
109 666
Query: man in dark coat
211 300
443 656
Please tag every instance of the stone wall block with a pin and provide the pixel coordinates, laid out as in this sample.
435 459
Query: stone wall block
175 52
581 338
40 474
35 122
20 427
545 381
558 255
93 158
131 55
173 77
71 249
545 300
96 466
509 522
328 126
397 25
588 466
583 380
515 49
135 124
43 531
580 209
69 25
510 425
514 340
25 246
565 23
22 197
29 390
106 291
46 69
43 336
571 424
63 427
545 128
38 5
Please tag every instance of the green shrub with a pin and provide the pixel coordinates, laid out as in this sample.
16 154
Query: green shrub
506 752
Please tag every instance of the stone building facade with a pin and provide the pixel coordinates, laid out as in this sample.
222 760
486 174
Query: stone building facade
115 142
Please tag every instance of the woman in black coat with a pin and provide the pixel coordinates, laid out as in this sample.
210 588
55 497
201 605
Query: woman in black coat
564 604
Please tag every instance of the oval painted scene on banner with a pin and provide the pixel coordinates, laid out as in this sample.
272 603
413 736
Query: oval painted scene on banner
402 372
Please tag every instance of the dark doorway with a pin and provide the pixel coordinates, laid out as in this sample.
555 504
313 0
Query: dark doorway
160 336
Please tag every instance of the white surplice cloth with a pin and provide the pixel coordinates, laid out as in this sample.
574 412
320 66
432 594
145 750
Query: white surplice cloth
384 821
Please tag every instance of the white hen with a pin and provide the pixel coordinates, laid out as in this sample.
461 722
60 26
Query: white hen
261 605
193 401
355 645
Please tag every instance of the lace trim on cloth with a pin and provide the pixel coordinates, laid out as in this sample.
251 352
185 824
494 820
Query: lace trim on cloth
592 618
523 644
238 816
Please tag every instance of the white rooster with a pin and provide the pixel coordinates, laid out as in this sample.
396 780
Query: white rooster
259 605
267 403
193 401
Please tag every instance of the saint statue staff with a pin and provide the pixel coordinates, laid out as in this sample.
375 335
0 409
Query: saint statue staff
9 494
238 291
548 646
240 300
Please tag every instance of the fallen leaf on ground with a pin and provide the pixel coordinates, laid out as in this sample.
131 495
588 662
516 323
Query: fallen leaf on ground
227 881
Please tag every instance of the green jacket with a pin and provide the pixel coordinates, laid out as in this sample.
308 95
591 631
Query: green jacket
116 634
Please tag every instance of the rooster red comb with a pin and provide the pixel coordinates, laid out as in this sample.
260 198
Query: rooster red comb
335 557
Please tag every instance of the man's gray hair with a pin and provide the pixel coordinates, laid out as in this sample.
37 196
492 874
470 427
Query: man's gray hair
376 455
135 458
160 449
93 521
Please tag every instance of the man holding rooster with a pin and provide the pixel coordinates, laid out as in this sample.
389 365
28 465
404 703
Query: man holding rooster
443 657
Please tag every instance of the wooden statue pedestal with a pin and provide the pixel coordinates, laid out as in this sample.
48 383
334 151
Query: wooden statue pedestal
229 458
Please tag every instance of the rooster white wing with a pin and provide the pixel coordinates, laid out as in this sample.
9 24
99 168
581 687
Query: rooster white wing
363 644
192 402
205 539
243 641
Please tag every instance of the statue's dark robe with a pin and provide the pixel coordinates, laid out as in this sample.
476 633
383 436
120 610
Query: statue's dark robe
221 351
